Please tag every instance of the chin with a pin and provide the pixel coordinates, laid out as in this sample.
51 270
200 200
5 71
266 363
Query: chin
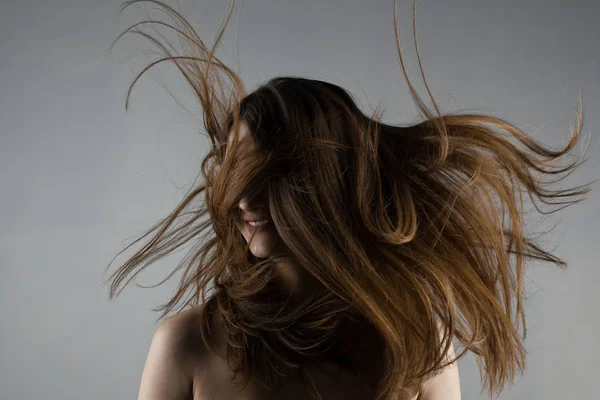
261 247
260 253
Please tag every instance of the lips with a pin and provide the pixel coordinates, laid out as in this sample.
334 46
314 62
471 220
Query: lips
253 219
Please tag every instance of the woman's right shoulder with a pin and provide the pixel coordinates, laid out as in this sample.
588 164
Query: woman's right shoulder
177 352
183 333
180 336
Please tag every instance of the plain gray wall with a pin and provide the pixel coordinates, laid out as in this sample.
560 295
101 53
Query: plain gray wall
80 177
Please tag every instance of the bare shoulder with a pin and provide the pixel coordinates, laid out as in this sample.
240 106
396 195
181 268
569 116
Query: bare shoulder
176 352
181 334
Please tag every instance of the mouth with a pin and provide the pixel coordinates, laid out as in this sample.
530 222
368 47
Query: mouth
258 226
256 220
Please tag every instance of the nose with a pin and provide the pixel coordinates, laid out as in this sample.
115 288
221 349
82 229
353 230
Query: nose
253 209
244 205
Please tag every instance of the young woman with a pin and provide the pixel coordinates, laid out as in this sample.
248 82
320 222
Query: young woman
337 256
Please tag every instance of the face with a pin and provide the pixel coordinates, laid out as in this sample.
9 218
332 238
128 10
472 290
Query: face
266 241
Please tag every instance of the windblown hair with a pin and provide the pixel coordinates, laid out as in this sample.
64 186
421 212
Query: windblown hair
405 227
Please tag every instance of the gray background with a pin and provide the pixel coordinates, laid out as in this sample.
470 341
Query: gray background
80 177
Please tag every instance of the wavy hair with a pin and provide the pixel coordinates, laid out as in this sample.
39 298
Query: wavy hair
404 227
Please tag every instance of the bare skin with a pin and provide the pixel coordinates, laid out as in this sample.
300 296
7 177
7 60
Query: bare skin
179 365
215 382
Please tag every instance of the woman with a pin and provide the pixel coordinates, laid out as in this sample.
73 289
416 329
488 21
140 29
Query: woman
377 246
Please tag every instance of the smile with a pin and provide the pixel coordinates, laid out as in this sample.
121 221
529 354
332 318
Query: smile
258 223
258 226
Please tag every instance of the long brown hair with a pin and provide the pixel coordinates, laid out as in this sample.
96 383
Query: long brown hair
405 227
